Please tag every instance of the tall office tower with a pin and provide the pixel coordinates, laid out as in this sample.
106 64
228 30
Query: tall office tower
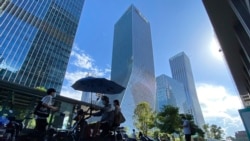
182 72
36 40
170 92
132 62
230 19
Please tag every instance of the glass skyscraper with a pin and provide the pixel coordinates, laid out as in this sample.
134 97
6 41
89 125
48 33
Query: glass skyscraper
132 62
170 92
182 72
36 38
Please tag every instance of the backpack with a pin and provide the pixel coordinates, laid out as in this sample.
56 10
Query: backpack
40 110
192 128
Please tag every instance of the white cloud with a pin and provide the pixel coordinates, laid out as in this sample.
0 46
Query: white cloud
71 77
220 107
81 65
82 60
71 93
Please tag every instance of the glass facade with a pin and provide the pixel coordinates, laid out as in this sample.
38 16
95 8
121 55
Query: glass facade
182 72
36 40
169 92
132 62
21 101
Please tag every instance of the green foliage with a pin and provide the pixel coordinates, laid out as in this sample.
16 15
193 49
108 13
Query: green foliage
206 130
143 117
198 130
168 120
216 132
156 133
213 131
41 88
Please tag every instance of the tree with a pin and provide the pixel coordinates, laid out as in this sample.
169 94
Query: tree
41 88
206 128
143 117
168 120
213 131
216 132
198 130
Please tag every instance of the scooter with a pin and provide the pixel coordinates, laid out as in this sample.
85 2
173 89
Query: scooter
4 136
10 127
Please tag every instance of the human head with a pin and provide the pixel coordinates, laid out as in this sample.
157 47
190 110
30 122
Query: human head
51 91
133 130
116 102
105 100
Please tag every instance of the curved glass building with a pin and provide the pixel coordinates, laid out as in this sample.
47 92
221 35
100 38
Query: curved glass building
36 38
132 62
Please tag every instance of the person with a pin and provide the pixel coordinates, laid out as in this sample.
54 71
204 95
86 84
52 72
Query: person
107 118
117 109
79 118
41 121
186 128
80 124
133 135
140 135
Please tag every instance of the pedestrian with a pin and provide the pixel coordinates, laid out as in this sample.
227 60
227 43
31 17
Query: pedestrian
140 135
133 135
117 110
186 128
107 118
43 112
117 107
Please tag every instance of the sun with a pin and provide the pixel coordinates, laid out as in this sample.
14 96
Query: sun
216 49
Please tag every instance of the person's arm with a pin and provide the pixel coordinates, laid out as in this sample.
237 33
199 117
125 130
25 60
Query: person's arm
50 107
97 113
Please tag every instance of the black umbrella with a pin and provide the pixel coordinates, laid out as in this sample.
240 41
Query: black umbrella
97 85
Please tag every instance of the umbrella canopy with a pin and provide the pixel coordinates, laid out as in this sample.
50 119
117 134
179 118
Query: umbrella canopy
97 85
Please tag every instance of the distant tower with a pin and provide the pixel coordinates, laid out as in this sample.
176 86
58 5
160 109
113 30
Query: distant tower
169 92
132 62
36 38
182 72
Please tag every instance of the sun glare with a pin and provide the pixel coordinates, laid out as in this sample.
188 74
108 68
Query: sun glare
216 50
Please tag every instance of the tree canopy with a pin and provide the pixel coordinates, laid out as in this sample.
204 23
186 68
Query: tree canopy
168 120
143 117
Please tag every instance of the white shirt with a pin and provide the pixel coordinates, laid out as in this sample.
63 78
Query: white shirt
45 100
133 135
186 127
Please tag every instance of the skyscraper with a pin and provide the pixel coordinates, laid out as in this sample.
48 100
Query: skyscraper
132 62
182 72
36 40
230 19
170 92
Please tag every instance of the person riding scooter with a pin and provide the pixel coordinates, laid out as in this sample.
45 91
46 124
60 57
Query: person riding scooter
107 118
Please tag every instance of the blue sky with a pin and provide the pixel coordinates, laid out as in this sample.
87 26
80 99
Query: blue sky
176 26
